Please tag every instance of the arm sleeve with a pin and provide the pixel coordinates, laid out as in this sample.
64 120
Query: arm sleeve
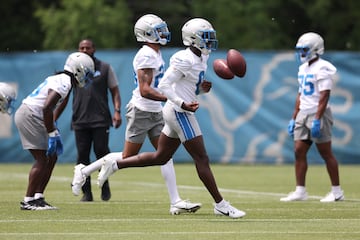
171 75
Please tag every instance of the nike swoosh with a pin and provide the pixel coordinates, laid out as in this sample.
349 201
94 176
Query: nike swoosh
190 209
338 199
226 214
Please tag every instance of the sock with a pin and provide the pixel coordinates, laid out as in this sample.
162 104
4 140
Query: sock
38 195
96 166
300 189
115 166
114 157
168 173
336 189
221 203
28 199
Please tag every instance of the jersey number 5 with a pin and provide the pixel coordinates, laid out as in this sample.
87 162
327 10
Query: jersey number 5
307 86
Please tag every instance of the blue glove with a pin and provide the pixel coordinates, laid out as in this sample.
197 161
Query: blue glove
59 146
55 144
315 128
291 127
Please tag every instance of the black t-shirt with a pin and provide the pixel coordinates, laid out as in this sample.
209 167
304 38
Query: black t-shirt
90 105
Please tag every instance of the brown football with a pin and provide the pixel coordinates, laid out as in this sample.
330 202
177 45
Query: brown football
236 62
222 69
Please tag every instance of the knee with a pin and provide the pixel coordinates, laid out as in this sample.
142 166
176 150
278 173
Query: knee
297 154
328 157
300 153
162 158
202 164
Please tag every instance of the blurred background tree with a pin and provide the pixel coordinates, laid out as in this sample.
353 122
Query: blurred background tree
252 25
104 21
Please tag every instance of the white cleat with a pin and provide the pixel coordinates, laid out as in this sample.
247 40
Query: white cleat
184 206
78 180
295 196
333 197
228 210
105 172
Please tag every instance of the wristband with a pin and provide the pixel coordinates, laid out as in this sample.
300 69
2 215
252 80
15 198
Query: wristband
117 110
53 133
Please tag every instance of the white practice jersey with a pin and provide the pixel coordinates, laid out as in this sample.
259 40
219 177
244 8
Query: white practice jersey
312 80
60 83
187 87
147 57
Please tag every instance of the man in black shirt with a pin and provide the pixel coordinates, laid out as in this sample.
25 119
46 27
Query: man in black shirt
92 118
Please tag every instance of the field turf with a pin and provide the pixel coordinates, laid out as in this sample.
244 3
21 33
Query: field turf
139 207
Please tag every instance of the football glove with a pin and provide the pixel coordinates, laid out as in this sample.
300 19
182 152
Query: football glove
315 128
291 127
55 144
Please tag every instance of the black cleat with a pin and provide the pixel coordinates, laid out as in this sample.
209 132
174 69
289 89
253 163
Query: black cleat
105 191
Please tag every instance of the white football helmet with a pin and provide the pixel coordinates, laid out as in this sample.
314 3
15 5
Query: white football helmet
152 29
309 46
82 66
199 33
7 98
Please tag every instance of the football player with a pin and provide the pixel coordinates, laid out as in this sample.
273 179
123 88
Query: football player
312 118
36 122
144 110
182 82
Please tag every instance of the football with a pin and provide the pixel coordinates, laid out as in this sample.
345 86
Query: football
222 69
236 62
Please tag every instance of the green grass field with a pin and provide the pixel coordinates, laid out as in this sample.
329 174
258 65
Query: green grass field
139 206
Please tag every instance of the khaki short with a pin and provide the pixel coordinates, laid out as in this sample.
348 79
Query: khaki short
141 124
303 121
31 128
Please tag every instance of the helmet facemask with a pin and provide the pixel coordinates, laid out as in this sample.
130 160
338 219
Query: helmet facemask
83 76
199 33
303 54
7 98
206 41
309 46
162 34
152 29
82 66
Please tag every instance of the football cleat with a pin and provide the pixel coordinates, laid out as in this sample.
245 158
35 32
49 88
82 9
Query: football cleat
184 206
87 197
333 197
295 196
30 205
78 180
228 210
36 205
47 206
105 191
105 172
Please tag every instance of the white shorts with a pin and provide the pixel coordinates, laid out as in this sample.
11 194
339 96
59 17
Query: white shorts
181 125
